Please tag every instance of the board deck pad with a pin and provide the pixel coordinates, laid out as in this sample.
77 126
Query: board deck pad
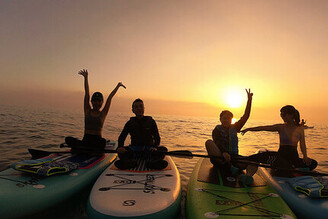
210 174
141 166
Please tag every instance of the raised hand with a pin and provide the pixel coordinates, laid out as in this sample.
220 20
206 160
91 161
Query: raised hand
120 85
243 131
83 72
249 93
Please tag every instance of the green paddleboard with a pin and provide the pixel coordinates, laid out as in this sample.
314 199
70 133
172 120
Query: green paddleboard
212 193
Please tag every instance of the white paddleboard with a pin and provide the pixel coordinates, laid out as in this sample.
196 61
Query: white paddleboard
138 192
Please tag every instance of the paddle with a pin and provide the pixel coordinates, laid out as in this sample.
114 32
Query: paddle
177 153
37 153
311 173
244 160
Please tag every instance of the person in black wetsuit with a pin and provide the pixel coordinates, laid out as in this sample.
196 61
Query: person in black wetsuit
291 132
224 145
94 118
144 138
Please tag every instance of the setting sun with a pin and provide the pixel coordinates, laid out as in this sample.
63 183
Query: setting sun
234 99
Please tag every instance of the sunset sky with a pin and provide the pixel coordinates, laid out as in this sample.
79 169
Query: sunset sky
182 57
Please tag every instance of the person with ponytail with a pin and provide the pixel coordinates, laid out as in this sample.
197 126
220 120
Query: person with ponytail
291 132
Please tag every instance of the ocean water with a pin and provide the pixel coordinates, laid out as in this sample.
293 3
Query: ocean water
23 128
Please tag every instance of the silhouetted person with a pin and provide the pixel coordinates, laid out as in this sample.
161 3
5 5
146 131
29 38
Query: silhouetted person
291 132
145 141
94 118
225 143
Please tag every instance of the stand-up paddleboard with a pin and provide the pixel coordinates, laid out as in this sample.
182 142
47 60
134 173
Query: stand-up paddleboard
214 193
23 194
136 193
302 205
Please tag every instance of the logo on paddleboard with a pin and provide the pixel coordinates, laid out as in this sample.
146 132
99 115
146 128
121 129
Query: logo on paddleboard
129 202
33 181
143 182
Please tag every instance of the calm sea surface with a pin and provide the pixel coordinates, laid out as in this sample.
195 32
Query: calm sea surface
23 128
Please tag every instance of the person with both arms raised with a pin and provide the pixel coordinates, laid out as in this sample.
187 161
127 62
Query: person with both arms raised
145 140
94 118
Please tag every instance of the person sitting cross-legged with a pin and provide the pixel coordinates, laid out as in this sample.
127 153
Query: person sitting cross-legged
145 141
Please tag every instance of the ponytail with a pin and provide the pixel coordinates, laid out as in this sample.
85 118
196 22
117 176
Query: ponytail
297 118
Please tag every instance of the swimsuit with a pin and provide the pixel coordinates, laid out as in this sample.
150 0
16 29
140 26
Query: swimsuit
93 123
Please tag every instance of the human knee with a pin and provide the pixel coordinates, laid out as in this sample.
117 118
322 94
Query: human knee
125 153
73 142
159 155
162 149
69 139
208 142
313 164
